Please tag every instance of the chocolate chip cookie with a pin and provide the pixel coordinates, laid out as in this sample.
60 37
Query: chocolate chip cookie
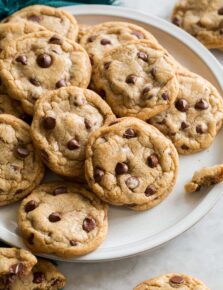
44 276
137 79
203 19
21 167
205 177
63 219
14 263
194 119
53 19
98 39
62 123
172 282
42 62
131 163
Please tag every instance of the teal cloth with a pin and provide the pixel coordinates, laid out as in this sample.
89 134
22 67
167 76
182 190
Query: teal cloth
8 7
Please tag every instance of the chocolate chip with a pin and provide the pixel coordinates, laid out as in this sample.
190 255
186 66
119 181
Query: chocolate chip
44 155
60 84
60 190
54 217
138 34
184 147
89 224
49 123
142 55
73 243
44 60
121 168
177 280
153 72
152 160
129 133
176 21
30 239
181 105
107 64
34 18
165 96
98 174
132 182
105 42
17 269
73 144
184 125
220 11
149 191
22 59
145 92
201 105
31 205
38 277
200 129
91 38
55 40
35 82
22 151
87 124
131 79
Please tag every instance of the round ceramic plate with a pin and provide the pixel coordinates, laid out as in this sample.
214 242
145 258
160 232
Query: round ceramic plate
131 233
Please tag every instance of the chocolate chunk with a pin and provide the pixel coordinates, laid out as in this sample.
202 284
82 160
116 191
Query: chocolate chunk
34 18
138 34
177 280
17 269
55 40
91 38
54 217
89 224
30 239
87 124
60 84
132 182
149 191
38 277
44 60
105 42
201 105
129 133
121 168
73 243
49 123
107 64
60 190
220 11
31 205
22 151
165 96
152 160
200 129
176 21
184 147
98 174
73 144
181 105
22 59
131 79
35 82
184 125
142 55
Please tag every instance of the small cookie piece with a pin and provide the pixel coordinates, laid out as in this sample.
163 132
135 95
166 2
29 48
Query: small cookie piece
42 62
14 263
62 123
205 177
137 79
53 19
194 119
172 282
63 219
203 19
131 163
98 39
44 276
21 167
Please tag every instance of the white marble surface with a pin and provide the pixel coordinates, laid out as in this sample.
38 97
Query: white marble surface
198 252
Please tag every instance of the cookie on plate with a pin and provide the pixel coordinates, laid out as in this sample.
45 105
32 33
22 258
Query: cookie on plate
194 119
131 163
21 167
137 79
98 39
14 263
172 282
203 19
205 177
44 276
53 19
62 123
42 62
63 219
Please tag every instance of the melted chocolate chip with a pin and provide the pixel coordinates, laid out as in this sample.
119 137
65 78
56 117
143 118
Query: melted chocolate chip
34 18
49 123
34 82
149 191
107 64
145 92
89 224
129 133
152 160
73 144
181 105
38 277
31 205
22 151
121 168
138 34
201 105
60 190
22 59
55 40
54 217
132 182
91 38
60 84
44 60
165 96
200 129
184 125
17 269
177 280
184 147
73 243
142 55
131 79
98 174
105 42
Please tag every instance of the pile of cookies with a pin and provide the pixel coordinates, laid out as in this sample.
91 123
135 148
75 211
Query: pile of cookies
105 107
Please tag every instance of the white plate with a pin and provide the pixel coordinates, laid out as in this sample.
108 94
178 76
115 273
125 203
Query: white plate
131 233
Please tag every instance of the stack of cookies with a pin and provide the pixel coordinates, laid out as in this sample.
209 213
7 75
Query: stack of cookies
108 114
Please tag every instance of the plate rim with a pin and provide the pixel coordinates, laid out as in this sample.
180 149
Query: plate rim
209 200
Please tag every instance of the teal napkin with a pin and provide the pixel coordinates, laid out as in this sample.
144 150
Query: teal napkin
8 7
